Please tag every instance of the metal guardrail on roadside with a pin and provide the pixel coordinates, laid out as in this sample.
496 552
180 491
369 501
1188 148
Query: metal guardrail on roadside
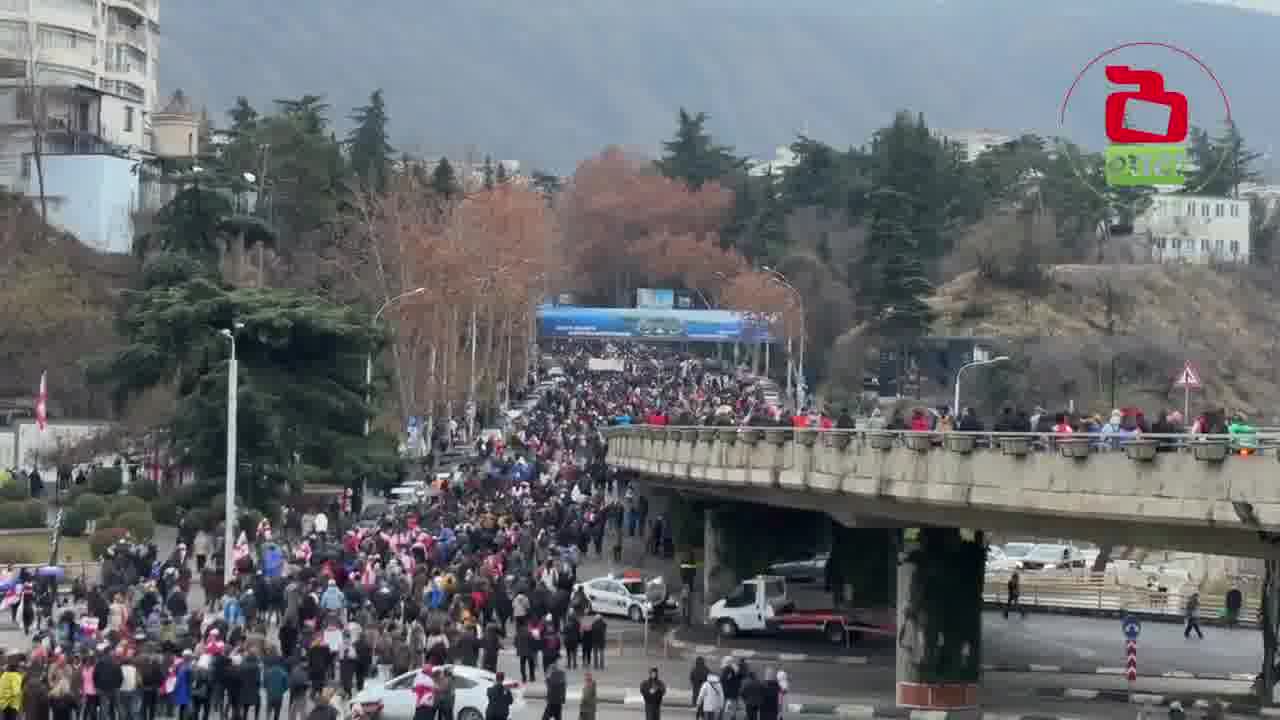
1100 592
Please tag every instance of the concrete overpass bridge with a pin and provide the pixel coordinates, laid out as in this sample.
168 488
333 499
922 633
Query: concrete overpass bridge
1196 493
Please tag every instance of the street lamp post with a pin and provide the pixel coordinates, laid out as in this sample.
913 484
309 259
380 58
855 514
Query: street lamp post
955 403
804 332
368 371
233 378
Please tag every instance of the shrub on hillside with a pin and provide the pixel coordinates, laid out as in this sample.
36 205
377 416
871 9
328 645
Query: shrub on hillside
103 538
106 480
126 504
20 514
165 511
139 524
93 507
74 523
144 488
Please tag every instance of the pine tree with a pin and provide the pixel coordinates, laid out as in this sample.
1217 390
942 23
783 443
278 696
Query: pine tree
500 175
488 173
368 144
443 180
244 118
694 157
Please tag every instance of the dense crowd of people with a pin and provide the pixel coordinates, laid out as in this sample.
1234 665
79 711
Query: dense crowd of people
486 558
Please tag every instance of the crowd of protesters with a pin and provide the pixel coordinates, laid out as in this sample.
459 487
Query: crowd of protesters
486 559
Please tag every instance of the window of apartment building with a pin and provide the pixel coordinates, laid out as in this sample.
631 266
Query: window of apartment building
1235 248
1159 243
1219 210
1191 208
1217 245
1235 210
128 118
1204 209
55 39
1204 245
1177 244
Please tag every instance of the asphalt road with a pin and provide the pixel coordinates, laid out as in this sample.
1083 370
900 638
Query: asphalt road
1071 642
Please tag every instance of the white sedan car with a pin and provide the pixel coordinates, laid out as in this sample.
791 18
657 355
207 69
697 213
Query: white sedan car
394 699
626 596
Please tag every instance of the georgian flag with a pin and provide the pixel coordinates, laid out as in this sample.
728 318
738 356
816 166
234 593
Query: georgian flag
241 549
12 597
42 405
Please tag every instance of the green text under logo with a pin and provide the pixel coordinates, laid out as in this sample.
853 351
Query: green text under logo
1134 165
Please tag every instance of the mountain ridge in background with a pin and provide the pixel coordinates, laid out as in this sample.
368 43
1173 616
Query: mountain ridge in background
549 83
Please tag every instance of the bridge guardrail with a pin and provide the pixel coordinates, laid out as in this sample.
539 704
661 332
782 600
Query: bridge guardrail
1145 446
1099 592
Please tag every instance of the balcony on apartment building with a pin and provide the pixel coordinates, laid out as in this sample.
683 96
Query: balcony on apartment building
137 7
133 35
128 70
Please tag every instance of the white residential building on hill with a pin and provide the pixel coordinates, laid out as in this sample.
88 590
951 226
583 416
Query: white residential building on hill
1195 229
972 143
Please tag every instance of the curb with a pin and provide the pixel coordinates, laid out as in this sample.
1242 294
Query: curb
1238 707
690 649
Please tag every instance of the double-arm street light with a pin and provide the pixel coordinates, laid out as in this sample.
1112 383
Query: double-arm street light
368 371
955 404
804 333
228 533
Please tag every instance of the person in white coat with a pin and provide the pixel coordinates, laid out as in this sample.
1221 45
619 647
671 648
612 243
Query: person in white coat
710 701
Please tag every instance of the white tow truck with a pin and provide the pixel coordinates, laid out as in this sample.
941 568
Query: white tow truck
760 605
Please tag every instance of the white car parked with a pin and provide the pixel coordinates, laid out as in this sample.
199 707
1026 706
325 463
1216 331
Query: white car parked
394 699
626 595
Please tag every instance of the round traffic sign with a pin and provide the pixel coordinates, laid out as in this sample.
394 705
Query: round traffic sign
1132 627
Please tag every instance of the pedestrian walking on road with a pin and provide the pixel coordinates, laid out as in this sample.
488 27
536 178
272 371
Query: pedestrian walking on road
556 692
1015 590
731 683
697 676
752 694
708 704
500 699
652 691
771 697
587 705
1193 616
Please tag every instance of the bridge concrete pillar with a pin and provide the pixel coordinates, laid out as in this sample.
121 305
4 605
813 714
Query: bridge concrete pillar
717 577
939 665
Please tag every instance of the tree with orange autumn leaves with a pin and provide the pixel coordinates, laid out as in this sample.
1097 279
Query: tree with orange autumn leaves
484 255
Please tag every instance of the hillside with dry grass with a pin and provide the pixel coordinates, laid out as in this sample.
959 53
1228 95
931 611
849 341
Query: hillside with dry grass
1104 335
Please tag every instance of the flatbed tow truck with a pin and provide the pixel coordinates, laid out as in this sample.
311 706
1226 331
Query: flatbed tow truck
760 605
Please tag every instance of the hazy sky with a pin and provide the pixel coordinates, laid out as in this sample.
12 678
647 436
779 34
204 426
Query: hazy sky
1269 6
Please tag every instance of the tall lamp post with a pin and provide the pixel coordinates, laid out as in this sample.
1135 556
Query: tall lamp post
804 332
233 381
368 371
955 403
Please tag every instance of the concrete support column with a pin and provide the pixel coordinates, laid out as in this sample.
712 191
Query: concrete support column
939 663
717 578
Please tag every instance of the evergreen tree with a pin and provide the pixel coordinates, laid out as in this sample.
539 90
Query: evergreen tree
443 180
694 157
488 173
500 175
899 284
1221 164
368 145
244 118
548 183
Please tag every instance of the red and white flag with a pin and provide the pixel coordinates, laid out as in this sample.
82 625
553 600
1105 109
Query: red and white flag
42 405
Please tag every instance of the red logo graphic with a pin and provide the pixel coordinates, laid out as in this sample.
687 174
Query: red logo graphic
1150 90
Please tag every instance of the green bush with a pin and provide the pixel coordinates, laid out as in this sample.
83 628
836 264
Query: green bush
165 511
92 507
16 490
74 523
20 514
145 488
126 505
103 538
201 518
106 480
139 524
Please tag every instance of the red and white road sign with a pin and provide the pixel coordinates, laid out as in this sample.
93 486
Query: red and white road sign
1131 660
1189 377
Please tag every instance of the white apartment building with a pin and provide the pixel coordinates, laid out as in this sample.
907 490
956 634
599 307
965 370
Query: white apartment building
1195 229
67 46
972 143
